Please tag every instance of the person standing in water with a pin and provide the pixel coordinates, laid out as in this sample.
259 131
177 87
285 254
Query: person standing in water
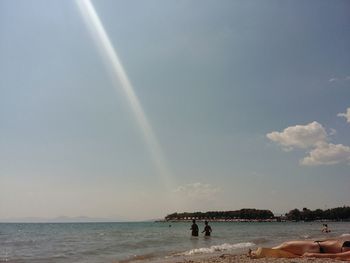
207 229
194 228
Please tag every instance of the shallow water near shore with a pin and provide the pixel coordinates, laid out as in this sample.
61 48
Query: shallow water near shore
146 241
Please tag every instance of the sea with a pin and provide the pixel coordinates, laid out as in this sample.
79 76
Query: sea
147 241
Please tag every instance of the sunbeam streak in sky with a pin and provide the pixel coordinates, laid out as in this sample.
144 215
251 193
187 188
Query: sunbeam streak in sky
102 39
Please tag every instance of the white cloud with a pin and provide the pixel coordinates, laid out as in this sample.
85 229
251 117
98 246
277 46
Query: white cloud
300 136
327 154
345 115
332 131
314 138
197 191
339 79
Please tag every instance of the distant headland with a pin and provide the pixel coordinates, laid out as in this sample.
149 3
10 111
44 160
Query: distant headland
257 215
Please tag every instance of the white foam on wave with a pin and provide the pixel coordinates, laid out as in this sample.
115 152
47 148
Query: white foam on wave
217 248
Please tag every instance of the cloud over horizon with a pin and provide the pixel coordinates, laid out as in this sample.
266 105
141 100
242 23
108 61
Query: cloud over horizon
339 79
327 154
299 136
346 115
313 137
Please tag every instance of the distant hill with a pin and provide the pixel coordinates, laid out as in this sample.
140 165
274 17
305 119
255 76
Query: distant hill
60 219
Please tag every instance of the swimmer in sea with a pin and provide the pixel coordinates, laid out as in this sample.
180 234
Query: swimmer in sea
194 228
325 229
207 229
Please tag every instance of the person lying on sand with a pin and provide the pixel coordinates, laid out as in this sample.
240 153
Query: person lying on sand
331 248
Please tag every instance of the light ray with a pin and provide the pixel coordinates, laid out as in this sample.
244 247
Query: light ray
102 39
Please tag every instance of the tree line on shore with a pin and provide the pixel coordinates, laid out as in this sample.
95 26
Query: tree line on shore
223 215
336 214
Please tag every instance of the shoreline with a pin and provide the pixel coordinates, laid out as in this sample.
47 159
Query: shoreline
240 256
243 258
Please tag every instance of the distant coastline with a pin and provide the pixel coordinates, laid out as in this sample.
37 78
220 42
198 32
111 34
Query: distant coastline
60 219
257 215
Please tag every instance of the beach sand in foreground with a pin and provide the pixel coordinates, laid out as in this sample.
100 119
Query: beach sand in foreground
227 258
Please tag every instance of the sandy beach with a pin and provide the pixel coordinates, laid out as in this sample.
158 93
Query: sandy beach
229 258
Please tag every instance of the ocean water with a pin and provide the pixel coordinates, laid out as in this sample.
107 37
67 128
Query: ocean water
145 241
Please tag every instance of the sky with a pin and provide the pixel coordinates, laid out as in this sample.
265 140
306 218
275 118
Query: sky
213 106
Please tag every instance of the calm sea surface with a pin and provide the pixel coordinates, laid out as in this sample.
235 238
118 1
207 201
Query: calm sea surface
147 241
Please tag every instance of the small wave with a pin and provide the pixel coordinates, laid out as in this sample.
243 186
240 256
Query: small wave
345 235
218 248
137 258
259 241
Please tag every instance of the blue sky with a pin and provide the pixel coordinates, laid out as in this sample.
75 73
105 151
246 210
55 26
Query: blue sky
248 100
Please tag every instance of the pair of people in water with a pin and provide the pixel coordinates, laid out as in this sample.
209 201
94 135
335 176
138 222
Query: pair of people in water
330 248
195 230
